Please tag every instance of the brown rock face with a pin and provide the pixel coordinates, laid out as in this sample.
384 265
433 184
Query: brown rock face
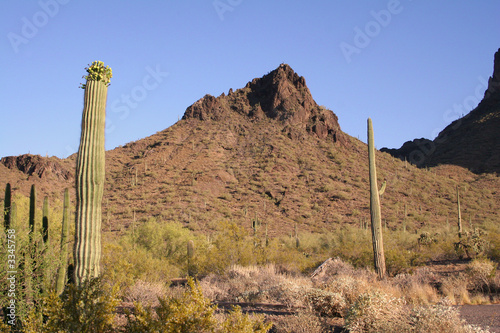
37 165
281 95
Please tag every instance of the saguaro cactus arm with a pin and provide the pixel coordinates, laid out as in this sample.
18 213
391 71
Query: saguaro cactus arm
90 173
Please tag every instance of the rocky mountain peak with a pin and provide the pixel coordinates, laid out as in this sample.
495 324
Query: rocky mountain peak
280 95
493 91
35 165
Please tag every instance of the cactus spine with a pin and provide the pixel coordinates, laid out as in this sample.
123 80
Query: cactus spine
61 272
7 206
377 240
90 174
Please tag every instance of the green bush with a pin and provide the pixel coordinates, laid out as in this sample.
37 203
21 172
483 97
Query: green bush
88 308
190 313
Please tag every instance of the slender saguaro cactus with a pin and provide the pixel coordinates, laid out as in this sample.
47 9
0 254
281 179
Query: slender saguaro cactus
29 257
61 272
190 256
7 206
459 215
45 220
90 173
32 215
404 218
13 215
377 240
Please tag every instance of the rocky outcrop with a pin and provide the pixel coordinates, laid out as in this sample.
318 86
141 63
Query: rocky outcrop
35 165
493 91
472 141
411 150
281 95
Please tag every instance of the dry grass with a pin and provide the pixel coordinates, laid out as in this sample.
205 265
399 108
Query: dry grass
405 303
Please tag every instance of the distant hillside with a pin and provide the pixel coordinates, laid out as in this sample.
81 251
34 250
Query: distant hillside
472 142
268 152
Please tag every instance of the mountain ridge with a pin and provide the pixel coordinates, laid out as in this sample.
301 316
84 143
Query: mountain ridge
266 152
472 141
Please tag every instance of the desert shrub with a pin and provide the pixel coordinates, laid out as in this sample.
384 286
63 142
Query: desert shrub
237 322
145 292
192 312
133 264
416 288
86 308
377 312
350 288
4 328
352 245
439 318
256 284
35 262
302 322
325 303
228 246
472 243
481 273
455 289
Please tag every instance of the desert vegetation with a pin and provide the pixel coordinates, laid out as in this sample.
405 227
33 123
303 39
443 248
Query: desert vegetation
235 266
225 228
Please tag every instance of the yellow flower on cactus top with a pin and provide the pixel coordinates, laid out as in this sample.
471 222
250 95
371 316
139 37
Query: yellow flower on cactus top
98 72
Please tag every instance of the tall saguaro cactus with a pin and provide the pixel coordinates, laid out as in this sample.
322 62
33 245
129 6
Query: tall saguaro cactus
377 240
7 206
90 173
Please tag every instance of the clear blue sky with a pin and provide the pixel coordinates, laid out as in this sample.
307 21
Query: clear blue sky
410 65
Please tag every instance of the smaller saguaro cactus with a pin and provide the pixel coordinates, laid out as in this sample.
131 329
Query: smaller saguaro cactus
32 215
460 230
7 206
255 226
13 215
190 257
45 220
404 218
61 272
297 239
267 238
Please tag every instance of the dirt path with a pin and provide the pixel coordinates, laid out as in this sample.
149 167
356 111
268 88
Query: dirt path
482 315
